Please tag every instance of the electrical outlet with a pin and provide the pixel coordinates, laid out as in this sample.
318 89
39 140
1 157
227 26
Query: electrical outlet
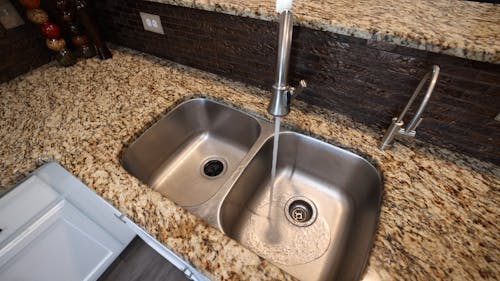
151 23
9 16
498 117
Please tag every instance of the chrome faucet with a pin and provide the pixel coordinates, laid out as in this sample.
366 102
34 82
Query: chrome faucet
282 92
396 127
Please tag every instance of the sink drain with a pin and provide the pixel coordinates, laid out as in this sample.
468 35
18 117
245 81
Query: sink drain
213 167
300 211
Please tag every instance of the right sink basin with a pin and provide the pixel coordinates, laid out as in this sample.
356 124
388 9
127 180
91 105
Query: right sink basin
323 212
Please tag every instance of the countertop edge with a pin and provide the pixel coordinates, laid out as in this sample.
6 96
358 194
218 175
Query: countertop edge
472 52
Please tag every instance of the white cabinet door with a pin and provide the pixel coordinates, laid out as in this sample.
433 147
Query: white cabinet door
53 227
86 200
63 244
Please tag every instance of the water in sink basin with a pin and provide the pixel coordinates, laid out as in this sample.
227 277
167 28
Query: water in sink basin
278 240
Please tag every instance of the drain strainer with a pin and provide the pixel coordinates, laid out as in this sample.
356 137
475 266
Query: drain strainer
300 211
213 167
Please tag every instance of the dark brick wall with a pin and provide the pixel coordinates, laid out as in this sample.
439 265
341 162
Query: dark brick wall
369 81
21 48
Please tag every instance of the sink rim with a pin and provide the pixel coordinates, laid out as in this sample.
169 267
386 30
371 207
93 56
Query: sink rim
210 211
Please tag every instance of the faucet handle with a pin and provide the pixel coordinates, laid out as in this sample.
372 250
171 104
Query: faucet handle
297 91
282 98
415 125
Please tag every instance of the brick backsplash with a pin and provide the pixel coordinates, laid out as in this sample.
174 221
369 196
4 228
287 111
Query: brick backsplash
22 48
367 80
2 31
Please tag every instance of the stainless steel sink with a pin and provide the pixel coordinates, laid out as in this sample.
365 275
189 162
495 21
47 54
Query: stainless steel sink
323 214
191 152
216 162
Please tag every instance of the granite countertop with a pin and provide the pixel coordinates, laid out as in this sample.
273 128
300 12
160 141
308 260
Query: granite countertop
439 217
459 28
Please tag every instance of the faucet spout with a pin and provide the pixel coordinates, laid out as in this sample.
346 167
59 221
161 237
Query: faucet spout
282 92
284 48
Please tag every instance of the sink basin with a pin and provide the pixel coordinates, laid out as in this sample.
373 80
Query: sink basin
190 153
324 208
216 162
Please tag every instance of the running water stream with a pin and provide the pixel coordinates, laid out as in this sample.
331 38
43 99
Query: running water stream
277 121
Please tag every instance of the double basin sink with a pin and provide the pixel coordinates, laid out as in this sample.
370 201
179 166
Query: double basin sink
316 219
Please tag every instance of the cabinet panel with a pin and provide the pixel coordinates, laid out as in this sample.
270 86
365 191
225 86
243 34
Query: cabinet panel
62 245
22 204
86 200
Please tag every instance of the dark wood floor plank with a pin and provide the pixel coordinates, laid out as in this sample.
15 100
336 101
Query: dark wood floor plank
139 262
176 275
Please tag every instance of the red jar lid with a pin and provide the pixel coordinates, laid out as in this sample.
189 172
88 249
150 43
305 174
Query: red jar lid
51 30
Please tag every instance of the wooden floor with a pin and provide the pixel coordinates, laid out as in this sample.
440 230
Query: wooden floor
140 262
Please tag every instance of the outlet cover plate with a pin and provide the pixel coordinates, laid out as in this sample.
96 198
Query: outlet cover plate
151 23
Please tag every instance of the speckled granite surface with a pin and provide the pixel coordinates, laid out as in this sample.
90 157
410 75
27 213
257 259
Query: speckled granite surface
458 28
439 218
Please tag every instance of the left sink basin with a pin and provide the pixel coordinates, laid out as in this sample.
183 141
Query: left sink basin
190 153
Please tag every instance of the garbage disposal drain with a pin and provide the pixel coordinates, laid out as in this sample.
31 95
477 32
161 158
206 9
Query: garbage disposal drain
213 168
300 211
